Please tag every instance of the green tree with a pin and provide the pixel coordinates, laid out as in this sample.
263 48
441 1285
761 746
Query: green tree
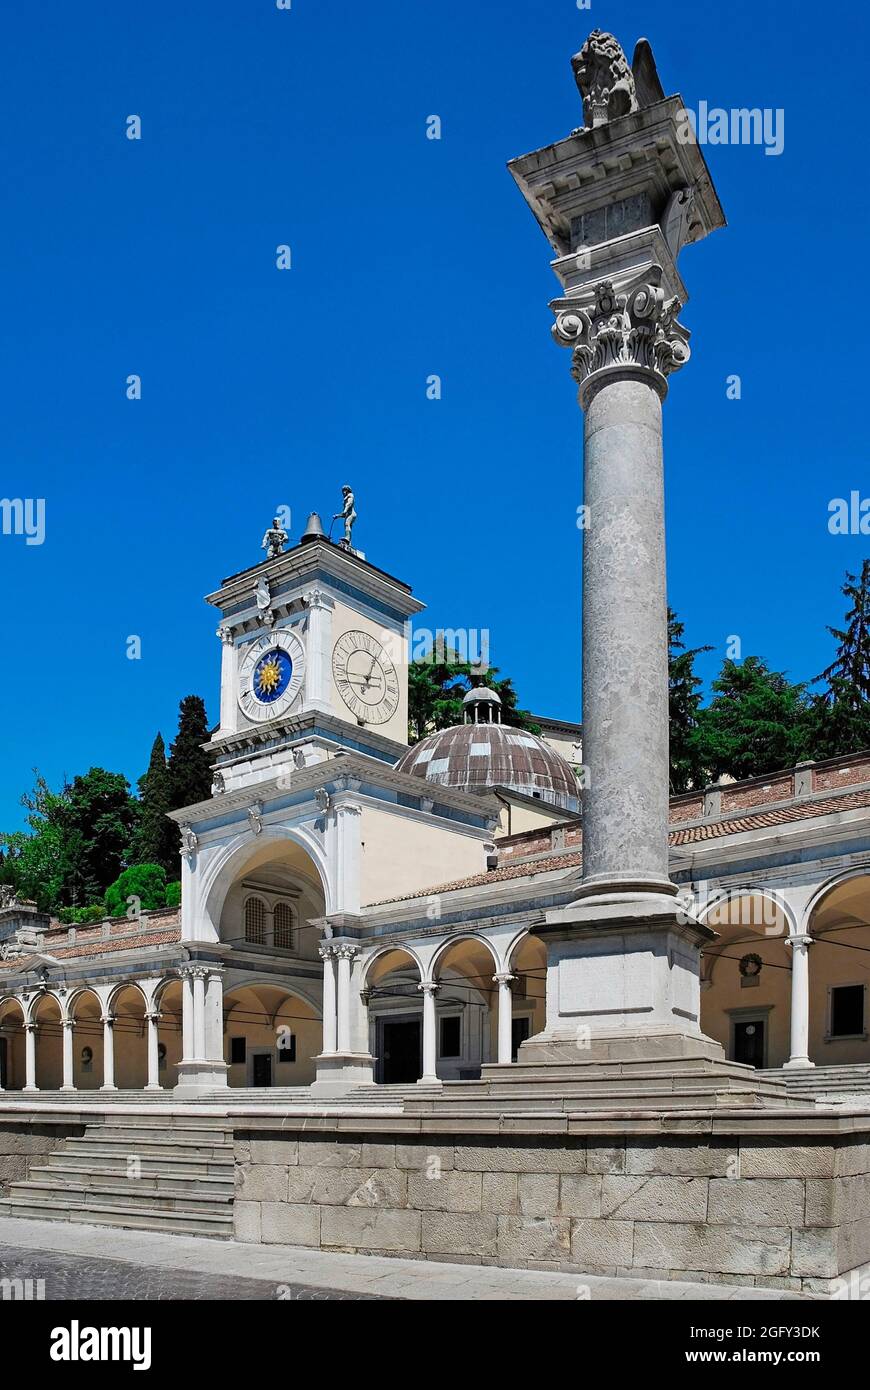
839 720
145 882
755 723
36 858
436 688
155 839
189 767
101 817
684 695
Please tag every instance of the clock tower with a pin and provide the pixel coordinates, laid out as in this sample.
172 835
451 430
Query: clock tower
314 662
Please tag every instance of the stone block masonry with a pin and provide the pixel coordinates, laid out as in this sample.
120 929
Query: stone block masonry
769 1204
23 1145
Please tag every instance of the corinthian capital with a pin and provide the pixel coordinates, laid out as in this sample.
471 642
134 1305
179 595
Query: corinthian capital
631 332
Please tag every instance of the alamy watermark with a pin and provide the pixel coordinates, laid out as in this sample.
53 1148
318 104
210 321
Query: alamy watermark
23 516
713 125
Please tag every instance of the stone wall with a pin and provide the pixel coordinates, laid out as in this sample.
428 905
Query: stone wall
24 1145
764 1211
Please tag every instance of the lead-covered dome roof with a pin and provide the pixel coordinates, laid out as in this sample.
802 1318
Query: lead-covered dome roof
478 757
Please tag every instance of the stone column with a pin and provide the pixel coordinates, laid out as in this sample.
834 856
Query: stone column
618 200
229 680
345 954
430 1041
330 1032
318 665
108 1023
800 1001
30 1057
68 1026
505 1016
187 1043
198 1013
152 1019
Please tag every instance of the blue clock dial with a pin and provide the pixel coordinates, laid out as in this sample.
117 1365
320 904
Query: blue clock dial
272 675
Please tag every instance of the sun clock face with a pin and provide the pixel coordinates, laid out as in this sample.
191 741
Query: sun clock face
366 678
270 676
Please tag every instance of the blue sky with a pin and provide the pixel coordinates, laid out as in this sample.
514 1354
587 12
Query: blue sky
308 127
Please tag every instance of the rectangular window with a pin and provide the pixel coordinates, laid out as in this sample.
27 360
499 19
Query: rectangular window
286 1047
451 1044
521 1028
238 1050
847 1011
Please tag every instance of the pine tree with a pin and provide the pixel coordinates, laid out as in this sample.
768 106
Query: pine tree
756 722
840 717
189 768
154 841
684 691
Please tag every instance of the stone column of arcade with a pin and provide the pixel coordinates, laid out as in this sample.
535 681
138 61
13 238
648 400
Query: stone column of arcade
618 200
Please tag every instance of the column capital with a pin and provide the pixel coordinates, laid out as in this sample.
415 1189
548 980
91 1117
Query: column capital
613 333
326 950
800 939
108 1020
429 986
503 977
346 950
225 633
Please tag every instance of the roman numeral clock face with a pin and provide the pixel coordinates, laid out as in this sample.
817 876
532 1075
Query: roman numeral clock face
270 675
366 678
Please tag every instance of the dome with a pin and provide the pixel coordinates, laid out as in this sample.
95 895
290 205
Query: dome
477 757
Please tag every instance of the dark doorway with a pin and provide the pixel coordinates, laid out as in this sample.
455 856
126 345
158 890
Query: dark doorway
749 1043
262 1069
3 1063
401 1051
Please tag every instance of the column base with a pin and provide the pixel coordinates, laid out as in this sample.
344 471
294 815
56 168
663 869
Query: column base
155 1087
622 978
797 1064
338 1072
108 1088
200 1075
430 1081
69 1088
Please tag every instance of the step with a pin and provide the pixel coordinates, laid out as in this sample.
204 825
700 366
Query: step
148 1148
167 1221
79 1196
70 1176
111 1160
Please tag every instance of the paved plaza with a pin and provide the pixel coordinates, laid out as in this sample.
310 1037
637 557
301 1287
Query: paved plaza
84 1263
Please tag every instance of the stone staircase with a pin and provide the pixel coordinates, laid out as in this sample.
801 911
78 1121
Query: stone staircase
141 1172
846 1085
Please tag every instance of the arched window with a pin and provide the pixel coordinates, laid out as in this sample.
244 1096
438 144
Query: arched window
284 923
255 921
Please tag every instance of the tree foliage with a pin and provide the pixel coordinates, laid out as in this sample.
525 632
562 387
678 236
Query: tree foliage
144 883
436 688
684 698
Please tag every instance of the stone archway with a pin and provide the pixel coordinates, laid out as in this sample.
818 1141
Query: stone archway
528 965
746 979
467 1007
838 926
272 1036
391 984
12 1044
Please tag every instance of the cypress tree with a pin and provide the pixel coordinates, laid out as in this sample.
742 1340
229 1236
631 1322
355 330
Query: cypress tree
154 841
189 767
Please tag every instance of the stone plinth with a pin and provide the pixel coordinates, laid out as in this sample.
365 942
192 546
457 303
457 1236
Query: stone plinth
773 1204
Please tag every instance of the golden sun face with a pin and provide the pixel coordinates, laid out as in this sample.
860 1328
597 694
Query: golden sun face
269 677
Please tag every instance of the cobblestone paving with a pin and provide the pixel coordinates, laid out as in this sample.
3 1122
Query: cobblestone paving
78 1278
